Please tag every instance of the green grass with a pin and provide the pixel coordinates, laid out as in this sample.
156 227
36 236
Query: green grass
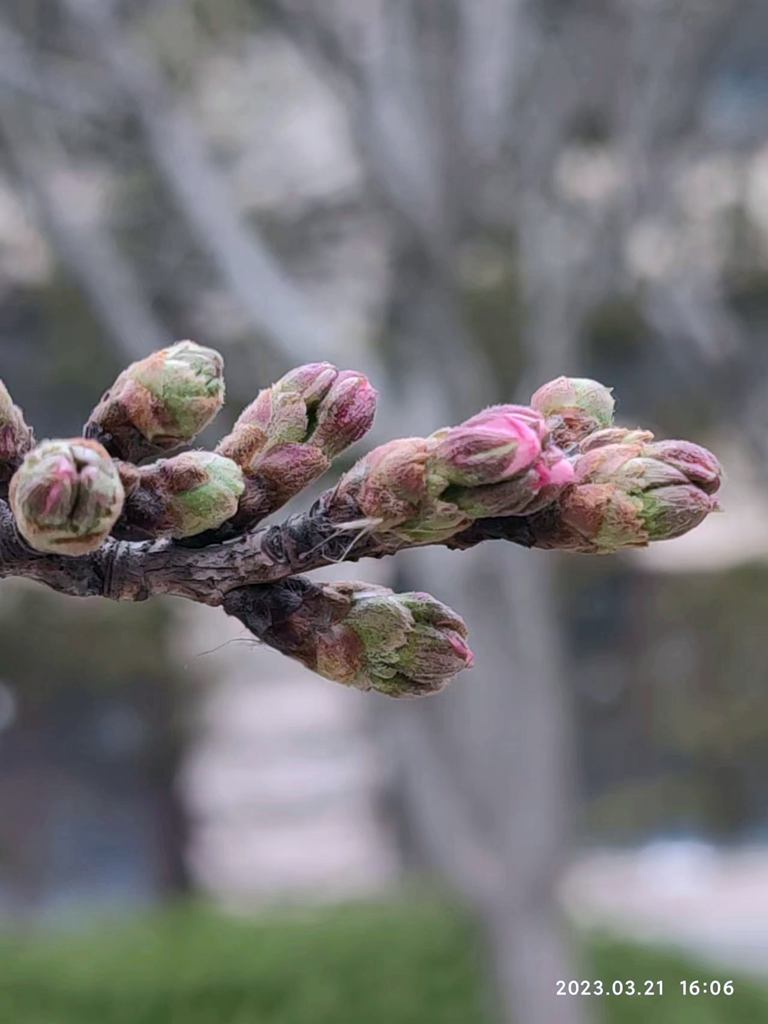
402 963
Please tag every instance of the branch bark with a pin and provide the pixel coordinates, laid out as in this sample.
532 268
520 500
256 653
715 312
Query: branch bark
135 571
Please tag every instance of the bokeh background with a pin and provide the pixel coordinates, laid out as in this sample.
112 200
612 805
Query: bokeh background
463 198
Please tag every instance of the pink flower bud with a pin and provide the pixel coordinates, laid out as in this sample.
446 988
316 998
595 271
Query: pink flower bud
524 494
345 414
669 512
427 490
640 467
696 463
281 412
500 444
310 382
500 417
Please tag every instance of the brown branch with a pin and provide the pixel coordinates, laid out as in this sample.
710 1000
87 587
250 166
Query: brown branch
131 571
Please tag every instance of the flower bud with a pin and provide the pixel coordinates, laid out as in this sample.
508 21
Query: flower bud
389 484
525 494
160 403
398 644
66 497
274 417
493 446
696 463
574 407
669 512
345 414
641 466
16 438
502 417
183 496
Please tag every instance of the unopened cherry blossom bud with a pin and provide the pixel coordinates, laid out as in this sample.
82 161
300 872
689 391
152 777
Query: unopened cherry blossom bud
161 402
641 465
672 511
311 382
389 484
499 417
493 446
345 413
66 497
398 644
182 496
16 438
292 410
698 464
574 407
357 634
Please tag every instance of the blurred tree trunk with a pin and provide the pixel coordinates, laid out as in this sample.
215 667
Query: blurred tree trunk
485 772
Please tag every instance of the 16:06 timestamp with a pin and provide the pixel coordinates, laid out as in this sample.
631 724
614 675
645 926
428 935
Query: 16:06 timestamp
713 987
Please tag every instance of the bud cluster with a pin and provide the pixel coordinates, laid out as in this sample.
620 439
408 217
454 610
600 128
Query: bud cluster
631 490
555 474
500 462
288 436
160 403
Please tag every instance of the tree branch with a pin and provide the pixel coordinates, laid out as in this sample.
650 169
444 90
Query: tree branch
135 571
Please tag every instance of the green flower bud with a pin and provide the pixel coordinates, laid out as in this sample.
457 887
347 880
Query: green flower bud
160 403
66 497
398 644
574 407
183 496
